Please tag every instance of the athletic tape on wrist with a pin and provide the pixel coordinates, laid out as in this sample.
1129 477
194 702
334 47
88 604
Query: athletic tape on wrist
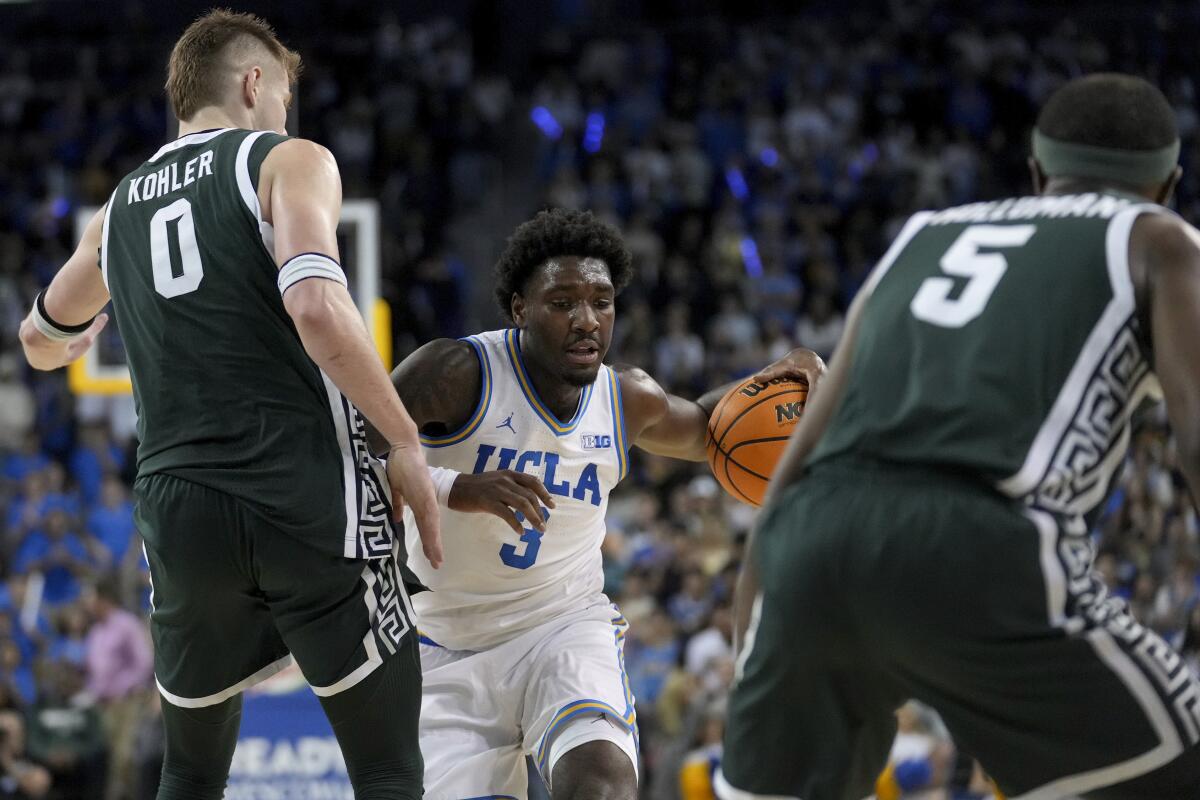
309 265
48 327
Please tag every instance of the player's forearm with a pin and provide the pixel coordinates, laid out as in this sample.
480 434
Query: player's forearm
335 338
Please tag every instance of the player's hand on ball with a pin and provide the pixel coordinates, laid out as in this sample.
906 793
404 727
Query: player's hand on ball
504 493
408 476
799 364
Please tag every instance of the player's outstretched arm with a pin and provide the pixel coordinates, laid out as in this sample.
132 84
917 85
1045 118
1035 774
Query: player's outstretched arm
440 385
1166 251
818 412
668 425
300 191
60 327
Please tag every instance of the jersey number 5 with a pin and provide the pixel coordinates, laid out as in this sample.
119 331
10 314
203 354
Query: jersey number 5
532 538
935 301
173 252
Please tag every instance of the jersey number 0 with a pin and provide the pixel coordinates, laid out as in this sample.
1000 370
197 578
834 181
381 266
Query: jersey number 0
173 242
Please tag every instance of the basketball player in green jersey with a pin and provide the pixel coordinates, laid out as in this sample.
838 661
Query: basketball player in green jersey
926 534
268 526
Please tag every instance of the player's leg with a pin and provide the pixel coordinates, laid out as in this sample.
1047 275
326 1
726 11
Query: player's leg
810 715
470 729
348 624
213 633
578 712
996 620
199 748
598 769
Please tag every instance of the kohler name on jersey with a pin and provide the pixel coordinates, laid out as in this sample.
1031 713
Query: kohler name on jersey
157 184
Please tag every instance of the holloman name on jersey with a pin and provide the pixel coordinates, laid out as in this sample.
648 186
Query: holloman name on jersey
157 184
1103 206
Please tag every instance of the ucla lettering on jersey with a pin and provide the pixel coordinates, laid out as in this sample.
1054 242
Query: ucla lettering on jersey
495 585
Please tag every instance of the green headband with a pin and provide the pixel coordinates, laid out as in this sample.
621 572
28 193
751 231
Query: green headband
1130 167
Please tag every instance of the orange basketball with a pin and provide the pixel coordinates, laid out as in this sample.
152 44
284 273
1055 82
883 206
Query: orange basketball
748 431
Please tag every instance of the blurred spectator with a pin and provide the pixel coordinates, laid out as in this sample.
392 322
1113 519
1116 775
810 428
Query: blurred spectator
16 406
689 607
95 456
820 326
120 667
651 656
29 458
110 520
19 777
708 650
679 354
60 555
1177 597
66 737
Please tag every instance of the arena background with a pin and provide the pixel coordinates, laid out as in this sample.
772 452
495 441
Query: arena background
758 157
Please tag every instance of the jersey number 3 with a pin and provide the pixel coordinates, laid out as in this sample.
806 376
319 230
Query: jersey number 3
532 538
935 301
173 251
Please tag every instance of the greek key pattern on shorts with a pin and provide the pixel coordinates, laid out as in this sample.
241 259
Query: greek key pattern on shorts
375 531
1082 468
1089 607
391 621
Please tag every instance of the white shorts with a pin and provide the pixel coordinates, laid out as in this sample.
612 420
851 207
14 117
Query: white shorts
563 682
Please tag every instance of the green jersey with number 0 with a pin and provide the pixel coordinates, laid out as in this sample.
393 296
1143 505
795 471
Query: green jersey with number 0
1002 340
226 395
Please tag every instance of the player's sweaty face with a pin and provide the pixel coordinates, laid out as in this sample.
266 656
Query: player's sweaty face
568 317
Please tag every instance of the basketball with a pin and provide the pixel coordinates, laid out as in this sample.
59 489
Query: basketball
748 431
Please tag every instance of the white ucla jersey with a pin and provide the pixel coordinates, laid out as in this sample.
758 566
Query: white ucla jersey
493 584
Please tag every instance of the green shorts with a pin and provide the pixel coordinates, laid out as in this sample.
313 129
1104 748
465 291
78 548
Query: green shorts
233 599
878 585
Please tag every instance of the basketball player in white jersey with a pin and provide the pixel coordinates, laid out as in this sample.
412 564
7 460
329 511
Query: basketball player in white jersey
521 651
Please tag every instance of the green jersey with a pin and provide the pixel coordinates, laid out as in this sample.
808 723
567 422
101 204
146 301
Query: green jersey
226 395
1001 339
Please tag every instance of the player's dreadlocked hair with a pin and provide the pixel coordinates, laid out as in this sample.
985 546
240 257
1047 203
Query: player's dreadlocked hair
559 232
1107 109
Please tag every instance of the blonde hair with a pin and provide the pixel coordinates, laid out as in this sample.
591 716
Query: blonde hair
194 74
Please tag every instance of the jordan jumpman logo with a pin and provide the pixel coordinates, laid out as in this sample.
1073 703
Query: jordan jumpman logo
508 424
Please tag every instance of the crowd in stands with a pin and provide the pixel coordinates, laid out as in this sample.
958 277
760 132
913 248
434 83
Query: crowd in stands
757 170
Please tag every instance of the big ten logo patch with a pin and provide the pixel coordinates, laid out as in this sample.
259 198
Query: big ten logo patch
596 441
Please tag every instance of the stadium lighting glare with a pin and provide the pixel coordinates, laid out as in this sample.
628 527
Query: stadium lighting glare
547 124
737 183
750 257
593 134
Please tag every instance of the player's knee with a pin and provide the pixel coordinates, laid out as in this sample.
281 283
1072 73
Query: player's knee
598 770
399 779
181 783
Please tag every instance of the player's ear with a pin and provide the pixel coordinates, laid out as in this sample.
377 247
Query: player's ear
251 83
1168 187
516 309
1039 177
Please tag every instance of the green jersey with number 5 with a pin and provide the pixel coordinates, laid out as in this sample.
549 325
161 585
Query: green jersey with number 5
226 395
1001 339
